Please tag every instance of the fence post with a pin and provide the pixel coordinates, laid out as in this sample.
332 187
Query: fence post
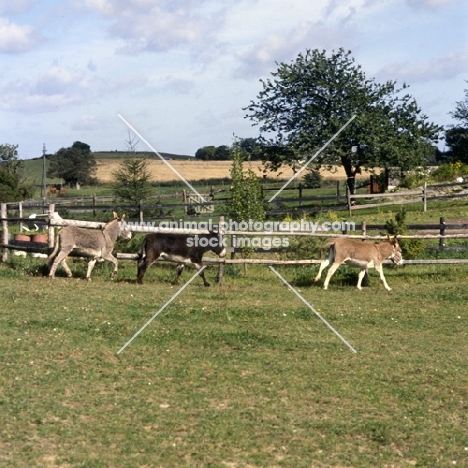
184 200
425 196
20 215
94 207
442 232
348 195
337 188
233 246
300 194
141 212
4 231
365 280
51 229
220 239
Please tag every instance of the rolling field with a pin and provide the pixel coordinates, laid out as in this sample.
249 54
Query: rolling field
191 170
194 170
237 375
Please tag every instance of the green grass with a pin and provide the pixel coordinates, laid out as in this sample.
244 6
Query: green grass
238 375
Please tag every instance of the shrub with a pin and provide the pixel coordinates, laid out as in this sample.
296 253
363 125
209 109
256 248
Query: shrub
411 248
413 180
450 171
312 178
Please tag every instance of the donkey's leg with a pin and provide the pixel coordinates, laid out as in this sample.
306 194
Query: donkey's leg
66 268
361 275
61 256
179 270
144 263
91 264
142 267
110 258
379 268
199 266
330 273
323 265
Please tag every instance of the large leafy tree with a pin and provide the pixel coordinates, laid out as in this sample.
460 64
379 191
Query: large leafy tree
309 100
74 165
9 190
214 153
9 159
207 153
456 139
456 136
12 187
461 110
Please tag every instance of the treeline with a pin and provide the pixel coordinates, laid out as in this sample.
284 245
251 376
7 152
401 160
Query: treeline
248 146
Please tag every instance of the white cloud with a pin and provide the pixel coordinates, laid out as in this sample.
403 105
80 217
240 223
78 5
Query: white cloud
430 4
18 6
284 46
444 67
91 65
15 38
58 80
89 123
55 88
179 85
157 26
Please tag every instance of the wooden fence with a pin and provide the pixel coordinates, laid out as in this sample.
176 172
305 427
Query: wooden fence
442 232
352 202
301 204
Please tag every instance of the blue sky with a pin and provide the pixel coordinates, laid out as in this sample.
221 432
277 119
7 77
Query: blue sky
180 71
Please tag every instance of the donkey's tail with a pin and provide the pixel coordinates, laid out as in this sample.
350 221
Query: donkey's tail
56 248
142 252
329 244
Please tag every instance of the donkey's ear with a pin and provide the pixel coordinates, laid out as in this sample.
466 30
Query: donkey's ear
122 217
115 215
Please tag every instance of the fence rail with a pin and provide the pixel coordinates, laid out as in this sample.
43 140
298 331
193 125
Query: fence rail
52 222
304 203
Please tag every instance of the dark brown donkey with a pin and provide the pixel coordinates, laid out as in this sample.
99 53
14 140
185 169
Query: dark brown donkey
179 248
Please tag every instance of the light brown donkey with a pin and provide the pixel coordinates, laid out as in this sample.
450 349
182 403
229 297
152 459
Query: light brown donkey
363 255
92 243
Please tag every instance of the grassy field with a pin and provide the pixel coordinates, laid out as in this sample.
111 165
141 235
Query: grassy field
237 375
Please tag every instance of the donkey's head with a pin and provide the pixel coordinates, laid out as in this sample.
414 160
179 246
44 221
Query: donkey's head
125 232
118 227
396 255
217 243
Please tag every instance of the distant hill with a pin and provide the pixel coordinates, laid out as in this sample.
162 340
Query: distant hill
148 154
32 171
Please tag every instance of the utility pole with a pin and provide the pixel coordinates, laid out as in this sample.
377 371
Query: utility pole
43 173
